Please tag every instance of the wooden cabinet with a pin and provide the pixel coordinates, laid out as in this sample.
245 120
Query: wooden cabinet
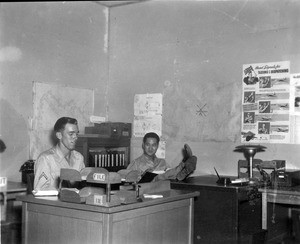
112 153
106 145
224 214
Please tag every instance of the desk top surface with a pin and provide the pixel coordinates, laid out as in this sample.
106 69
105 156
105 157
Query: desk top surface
168 196
293 190
209 181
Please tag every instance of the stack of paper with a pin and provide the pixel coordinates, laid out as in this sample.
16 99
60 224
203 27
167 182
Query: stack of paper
40 193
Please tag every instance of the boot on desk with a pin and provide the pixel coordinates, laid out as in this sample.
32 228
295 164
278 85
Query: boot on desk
188 168
186 152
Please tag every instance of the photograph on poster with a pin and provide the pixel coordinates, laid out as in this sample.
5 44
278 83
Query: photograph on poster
263 128
249 117
249 97
265 107
265 82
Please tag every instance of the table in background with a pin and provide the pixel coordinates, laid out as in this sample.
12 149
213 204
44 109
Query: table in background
282 195
12 190
11 211
8 194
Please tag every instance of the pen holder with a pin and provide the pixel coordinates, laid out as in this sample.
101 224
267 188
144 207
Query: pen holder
223 181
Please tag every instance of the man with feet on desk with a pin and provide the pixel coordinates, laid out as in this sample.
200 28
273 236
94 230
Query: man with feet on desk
148 162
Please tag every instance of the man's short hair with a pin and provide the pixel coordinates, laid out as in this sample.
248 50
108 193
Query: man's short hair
61 123
151 135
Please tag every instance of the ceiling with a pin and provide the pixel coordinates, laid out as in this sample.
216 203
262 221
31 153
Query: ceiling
110 4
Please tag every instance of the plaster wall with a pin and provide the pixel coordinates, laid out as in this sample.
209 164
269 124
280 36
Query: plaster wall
61 43
192 52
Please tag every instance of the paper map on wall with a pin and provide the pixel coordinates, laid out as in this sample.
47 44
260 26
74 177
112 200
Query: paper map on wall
266 103
50 102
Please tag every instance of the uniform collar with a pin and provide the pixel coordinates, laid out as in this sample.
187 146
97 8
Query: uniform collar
148 158
60 153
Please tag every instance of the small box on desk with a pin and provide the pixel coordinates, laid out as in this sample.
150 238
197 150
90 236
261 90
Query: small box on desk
285 178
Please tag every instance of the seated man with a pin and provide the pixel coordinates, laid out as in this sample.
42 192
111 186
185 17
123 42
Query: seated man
149 162
48 164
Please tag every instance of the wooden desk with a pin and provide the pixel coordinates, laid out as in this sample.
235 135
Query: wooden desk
165 220
223 214
283 195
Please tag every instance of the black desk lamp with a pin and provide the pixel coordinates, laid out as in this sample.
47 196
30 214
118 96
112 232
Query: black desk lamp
249 152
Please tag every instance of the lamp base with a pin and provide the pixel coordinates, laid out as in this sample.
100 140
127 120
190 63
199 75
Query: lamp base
253 181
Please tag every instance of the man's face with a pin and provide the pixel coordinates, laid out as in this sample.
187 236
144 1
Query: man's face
68 136
150 147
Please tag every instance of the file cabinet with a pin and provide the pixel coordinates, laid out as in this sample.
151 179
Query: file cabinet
112 153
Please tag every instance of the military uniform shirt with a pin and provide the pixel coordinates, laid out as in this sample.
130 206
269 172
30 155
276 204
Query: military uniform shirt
144 163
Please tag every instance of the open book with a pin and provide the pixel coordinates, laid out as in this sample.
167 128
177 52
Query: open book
135 176
147 177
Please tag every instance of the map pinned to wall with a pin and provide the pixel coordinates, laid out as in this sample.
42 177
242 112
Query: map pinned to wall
201 111
51 102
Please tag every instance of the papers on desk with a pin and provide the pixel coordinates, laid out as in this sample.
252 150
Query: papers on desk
52 198
41 193
152 196
159 172
239 181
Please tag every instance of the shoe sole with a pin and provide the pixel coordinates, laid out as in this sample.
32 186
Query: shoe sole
188 150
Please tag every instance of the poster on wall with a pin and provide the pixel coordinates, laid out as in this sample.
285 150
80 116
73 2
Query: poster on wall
295 95
266 103
148 118
147 114
295 108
